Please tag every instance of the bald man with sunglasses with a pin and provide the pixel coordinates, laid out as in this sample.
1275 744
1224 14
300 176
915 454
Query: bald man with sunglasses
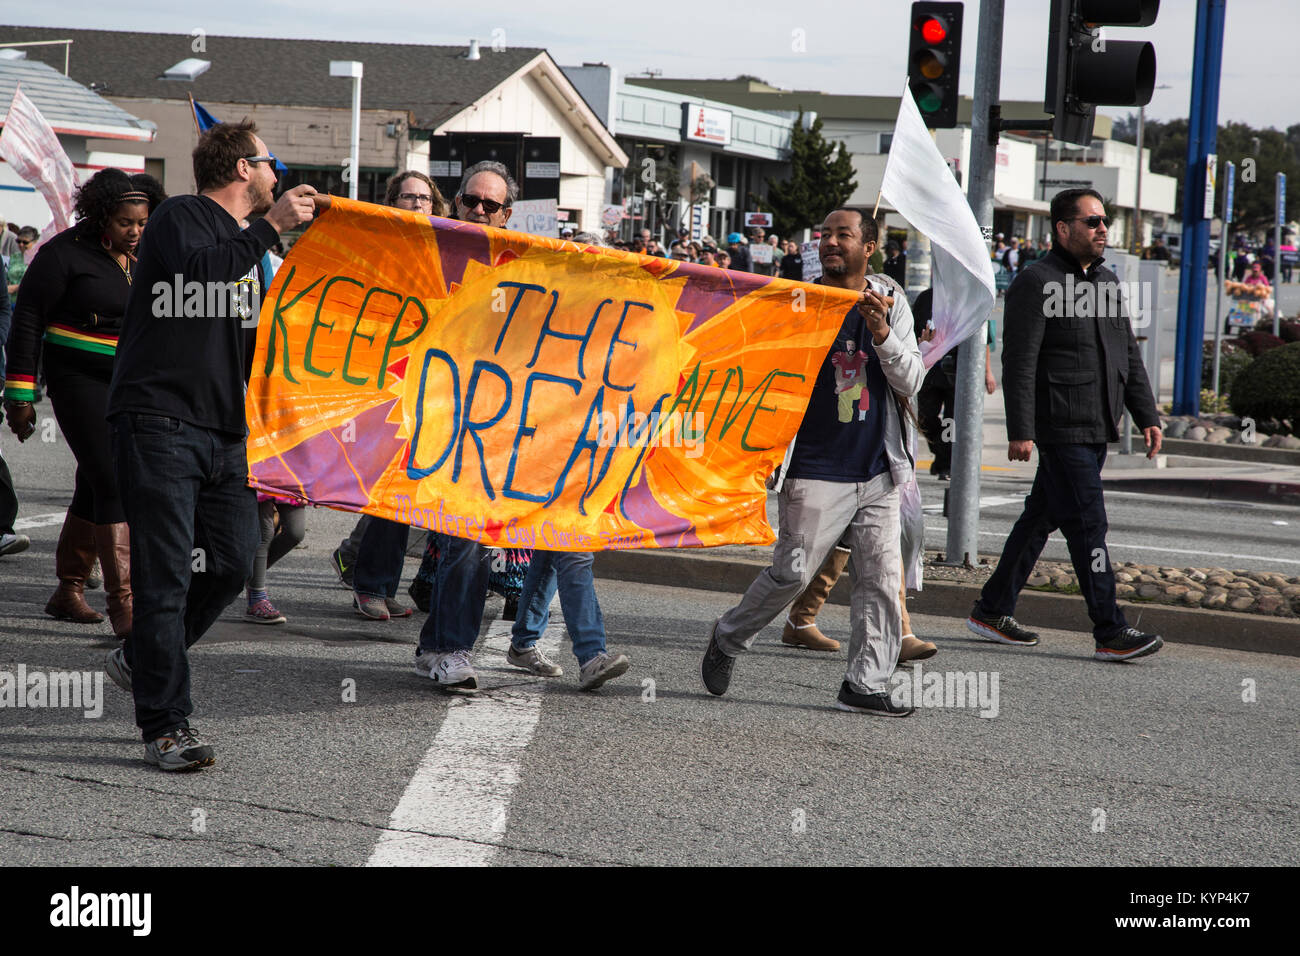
1070 366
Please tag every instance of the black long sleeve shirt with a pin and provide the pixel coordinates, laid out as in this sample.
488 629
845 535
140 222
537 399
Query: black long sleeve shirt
190 367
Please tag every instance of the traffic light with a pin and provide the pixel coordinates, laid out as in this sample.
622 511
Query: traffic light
934 61
1086 69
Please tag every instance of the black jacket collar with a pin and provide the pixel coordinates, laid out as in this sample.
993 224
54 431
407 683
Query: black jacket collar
1072 264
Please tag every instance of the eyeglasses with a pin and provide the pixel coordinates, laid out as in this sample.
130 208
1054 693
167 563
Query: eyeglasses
423 198
1092 222
258 159
490 206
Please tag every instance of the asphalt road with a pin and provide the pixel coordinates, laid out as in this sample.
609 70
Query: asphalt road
535 771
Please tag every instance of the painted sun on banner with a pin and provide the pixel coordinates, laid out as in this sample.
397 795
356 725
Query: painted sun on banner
528 392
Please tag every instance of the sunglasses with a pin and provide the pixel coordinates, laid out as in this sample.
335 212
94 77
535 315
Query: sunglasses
425 200
24 242
259 159
1092 222
490 206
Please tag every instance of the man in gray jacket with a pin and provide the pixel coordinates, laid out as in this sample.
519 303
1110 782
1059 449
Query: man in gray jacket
1070 365
842 474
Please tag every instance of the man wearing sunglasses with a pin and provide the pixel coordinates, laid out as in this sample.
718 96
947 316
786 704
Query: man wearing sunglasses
1070 366
487 191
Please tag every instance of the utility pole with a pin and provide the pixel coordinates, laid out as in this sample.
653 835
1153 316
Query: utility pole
968 444
1202 135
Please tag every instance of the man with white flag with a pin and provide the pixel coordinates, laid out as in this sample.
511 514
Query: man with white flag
32 148
920 186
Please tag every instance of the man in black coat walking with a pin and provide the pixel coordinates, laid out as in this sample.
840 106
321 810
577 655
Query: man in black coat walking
1070 366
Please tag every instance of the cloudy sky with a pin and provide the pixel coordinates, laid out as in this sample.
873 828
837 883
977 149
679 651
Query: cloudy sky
846 46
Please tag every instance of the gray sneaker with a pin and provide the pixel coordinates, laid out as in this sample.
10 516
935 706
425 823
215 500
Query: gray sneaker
118 670
181 749
534 661
601 668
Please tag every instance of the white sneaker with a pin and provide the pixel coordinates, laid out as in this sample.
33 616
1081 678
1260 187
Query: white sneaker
601 668
453 672
533 660
14 543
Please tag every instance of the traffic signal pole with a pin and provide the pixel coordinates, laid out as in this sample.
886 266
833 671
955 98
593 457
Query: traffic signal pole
968 415
1202 136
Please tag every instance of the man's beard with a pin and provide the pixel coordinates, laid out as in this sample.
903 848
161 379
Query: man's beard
259 199
835 270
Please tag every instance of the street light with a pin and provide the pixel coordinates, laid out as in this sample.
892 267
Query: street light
352 68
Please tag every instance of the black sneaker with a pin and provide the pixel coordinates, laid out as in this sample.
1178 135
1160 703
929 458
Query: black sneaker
877 705
1128 644
1003 630
716 667
342 570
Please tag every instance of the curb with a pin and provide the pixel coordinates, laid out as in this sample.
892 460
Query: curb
1229 489
1224 629
1242 453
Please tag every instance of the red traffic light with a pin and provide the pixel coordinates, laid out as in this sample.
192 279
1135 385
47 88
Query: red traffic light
933 30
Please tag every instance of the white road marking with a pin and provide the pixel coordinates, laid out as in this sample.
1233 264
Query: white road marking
990 502
463 785
1143 547
40 521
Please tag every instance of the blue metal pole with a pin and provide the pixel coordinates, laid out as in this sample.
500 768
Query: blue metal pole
1202 140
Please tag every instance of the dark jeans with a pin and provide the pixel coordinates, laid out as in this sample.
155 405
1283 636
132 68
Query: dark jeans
459 593
8 499
194 531
934 403
1066 495
378 568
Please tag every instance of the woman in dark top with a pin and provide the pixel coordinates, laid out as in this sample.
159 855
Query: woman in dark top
70 306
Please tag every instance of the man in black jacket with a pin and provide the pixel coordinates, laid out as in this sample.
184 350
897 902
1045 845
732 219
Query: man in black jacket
1070 365
176 408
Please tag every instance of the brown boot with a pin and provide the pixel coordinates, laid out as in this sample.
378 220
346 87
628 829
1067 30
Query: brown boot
72 562
114 541
801 627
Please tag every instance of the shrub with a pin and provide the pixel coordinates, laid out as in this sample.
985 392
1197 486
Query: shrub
1269 387
1232 360
1257 343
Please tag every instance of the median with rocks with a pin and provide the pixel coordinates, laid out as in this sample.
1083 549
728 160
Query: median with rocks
1253 592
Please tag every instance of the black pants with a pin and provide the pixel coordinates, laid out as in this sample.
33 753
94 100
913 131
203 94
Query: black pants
934 403
194 531
1067 495
8 500
79 393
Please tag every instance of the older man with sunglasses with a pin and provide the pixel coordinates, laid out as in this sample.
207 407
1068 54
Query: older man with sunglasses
1070 365
487 191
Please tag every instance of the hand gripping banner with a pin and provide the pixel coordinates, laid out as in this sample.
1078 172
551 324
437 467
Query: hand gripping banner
524 391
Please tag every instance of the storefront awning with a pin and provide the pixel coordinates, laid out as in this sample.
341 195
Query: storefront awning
1021 205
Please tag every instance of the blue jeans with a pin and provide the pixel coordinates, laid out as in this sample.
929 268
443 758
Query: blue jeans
1066 494
378 568
571 573
194 532
459 593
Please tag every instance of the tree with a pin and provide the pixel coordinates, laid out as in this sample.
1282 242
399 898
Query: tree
1257 153
821 178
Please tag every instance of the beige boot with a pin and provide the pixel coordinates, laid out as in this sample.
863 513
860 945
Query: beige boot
73 558
801 627
114 542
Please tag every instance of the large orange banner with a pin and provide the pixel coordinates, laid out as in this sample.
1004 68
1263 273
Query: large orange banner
525 391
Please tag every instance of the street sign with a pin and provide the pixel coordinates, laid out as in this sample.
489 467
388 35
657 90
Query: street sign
1281 197
1211 169
1230 171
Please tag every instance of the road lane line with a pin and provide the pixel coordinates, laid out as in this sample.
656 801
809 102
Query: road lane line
1144 547
40 521
464 783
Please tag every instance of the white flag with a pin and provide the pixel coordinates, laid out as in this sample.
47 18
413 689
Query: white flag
30 146
919 184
